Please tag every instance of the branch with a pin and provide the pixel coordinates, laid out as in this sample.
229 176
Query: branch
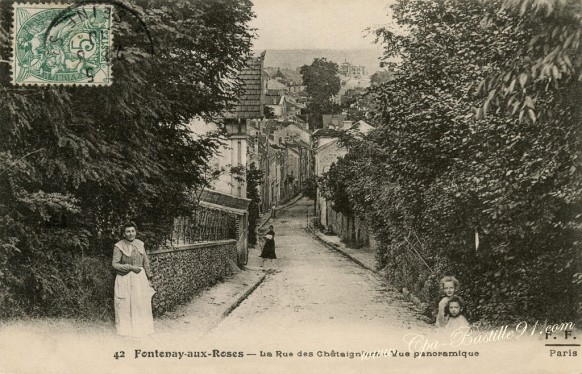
20 159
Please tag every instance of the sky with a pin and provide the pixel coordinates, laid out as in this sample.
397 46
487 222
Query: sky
317 24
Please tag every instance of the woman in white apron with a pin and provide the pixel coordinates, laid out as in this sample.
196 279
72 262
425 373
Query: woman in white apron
133 292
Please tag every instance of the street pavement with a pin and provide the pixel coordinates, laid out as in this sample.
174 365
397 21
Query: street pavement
310 289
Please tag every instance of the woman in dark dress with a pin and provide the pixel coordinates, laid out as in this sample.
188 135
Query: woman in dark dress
269 247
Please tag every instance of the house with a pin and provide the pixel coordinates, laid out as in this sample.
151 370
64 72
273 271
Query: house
333 120
220 191
274 84
292 109
360 128
293 170
298 121
295 87
267 159
279 75
228 192
348 70
258 153
276 100
248 106
292 131
295 135
277 163
306 170
326 151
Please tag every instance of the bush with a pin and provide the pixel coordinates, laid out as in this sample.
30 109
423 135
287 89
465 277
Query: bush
64 286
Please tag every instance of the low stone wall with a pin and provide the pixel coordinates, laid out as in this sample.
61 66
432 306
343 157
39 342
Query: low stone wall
179 272
351 229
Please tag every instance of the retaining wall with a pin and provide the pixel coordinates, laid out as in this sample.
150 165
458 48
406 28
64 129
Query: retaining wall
179 272
352 230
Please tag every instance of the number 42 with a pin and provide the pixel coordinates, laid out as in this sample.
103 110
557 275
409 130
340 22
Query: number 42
118 355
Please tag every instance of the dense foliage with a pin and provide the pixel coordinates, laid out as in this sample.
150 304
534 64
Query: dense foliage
490 196
381 76
77 161
358 105
550 60
322 83
254 178
310 188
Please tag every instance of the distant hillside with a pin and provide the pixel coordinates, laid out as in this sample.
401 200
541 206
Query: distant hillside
295 58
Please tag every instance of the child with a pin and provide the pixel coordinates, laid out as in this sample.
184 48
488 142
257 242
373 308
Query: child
448 286
454 310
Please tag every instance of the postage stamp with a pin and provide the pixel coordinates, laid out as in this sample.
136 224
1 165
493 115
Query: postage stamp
61 44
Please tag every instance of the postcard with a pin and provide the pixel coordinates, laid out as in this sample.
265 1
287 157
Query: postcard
290 186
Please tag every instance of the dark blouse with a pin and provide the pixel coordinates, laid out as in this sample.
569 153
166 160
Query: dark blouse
270 232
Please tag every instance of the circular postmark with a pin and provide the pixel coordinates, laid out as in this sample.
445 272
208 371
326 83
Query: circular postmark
122 13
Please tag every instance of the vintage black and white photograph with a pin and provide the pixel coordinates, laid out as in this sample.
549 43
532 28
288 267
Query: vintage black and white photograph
290 186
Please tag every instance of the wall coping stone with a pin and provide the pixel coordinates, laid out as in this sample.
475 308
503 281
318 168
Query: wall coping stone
187 247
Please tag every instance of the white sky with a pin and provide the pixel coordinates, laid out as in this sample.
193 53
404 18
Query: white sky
317 24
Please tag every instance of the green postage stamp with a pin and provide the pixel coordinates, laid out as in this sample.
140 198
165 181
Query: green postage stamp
61 44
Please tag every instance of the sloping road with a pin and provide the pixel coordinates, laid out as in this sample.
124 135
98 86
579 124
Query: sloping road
313 291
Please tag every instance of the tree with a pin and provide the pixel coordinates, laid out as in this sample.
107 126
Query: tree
334 187
433 176
310 188
76 162
549 60
320 79
322 83
356 102
381 76
254 180
269 112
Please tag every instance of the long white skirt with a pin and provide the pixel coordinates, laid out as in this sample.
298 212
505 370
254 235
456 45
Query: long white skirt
133 305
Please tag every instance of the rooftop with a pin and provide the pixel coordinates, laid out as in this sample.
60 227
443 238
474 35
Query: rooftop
249 103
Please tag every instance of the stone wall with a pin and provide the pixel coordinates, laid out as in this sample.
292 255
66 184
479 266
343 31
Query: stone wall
351 230
179 272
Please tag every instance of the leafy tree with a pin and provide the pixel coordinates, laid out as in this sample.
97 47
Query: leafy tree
350 96
322 83
315 110
310 188
334 187
434 176
381 76
549 61
358 105
77 161
320 79
269 112
254 180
